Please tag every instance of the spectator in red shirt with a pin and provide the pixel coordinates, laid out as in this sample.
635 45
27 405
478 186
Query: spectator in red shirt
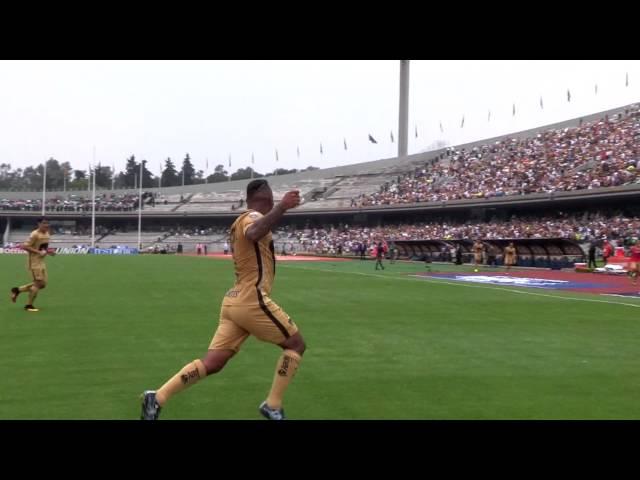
607 251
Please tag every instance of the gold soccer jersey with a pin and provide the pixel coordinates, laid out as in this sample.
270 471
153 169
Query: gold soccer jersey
255 264
39 241
247 308
509 255
477 251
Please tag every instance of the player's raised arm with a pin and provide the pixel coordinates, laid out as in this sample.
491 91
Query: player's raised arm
263 225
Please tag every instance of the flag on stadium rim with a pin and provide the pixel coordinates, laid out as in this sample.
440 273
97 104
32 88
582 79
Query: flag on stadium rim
321 152
489 116
229 160
568 95
298 150
371 139
416 131
514 110
541 104
391 136
277 155
345 143
596 88
253 160
626 82
462 123
441 129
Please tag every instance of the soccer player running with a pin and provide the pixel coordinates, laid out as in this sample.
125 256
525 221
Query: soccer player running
37 247
247 308
634 263
509 256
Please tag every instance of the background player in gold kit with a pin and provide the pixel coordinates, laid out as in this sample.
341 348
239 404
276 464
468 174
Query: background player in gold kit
509 256
37 247
247 308
478 251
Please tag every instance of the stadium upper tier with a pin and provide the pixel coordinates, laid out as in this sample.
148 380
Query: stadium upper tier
592 153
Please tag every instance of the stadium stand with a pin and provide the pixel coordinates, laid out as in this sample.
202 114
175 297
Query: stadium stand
492 189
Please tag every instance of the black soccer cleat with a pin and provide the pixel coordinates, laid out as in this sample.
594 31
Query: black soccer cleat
14 294
150 407
271 413
31 308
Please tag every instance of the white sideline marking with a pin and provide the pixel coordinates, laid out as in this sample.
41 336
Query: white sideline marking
462 284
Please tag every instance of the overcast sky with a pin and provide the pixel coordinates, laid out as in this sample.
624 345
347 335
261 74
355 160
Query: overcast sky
213 109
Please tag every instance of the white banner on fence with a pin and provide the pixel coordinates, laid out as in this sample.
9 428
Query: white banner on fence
12 251
72 250
59 250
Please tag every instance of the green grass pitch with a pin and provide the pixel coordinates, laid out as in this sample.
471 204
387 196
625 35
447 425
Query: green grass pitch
381 345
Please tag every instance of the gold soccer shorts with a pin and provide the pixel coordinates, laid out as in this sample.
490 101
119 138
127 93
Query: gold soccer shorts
267 322
39 274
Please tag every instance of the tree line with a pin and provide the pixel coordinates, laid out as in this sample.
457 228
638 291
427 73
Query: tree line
61 176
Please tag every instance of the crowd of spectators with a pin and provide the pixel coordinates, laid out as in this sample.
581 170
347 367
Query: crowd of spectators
603 153
582 228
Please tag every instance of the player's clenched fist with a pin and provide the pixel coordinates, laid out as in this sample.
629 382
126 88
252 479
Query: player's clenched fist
291 199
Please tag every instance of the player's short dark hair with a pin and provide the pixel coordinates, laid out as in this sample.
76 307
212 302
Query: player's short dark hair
254 186
43 219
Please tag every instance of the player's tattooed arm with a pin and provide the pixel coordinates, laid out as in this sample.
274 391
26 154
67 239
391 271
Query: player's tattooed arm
262 226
